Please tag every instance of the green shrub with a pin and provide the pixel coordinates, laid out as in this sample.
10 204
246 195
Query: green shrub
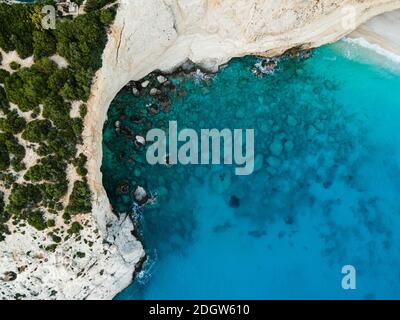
50 223
23 198
51 247
80 254
54 191
83 111
37 220
44 44
50 168
26 88
56 110
92 5
16 28
12 123
37 130
4 157
81 41
107 16
80 200
75 228
4 105
15 65
10 145
3 75
80 165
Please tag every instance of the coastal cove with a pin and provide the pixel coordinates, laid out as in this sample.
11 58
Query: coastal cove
83 215
323 195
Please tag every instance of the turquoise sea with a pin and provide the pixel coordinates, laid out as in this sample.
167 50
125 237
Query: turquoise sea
325 193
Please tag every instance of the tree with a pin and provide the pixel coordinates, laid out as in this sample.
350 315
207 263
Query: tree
107 16
23 198
54 191
92 5
44 44
12 123
4 157
50 168
16 28
26 88
36 219
80 165
4 105
56 110
3 75
81 41
80 200
10 145
37 130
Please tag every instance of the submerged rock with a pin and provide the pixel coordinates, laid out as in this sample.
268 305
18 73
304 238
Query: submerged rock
258 162
161 79
312 132
221 181
153 109
234 202
123 187
140 140
135 92
276 148
291 121
289 145
137 172
140 195
274 162
154 92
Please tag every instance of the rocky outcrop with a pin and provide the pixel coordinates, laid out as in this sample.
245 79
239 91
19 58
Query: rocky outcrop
163 34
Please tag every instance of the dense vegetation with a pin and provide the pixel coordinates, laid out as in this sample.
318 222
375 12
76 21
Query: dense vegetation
45 91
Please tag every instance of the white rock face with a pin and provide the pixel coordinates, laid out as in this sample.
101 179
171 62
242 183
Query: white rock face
150 35
106 268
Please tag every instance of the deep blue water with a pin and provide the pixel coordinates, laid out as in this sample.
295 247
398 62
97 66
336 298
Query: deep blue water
330 197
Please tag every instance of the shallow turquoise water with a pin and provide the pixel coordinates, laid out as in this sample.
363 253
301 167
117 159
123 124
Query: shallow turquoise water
329 199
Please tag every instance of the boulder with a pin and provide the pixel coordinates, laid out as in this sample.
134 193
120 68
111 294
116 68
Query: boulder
135 92
145 84
276 148
291 121
161 79
140 195
274 162
289 145
154 92
258 162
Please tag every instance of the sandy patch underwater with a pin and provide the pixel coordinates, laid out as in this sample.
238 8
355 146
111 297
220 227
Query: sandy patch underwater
325 193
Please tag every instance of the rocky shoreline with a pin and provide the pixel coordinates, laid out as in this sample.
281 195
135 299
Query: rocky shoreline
155 35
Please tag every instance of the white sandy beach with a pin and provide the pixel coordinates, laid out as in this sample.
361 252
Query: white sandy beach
383 31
